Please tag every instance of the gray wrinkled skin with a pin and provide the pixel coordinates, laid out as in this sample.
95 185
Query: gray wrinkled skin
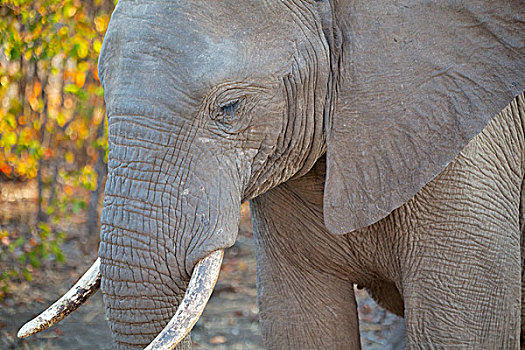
211 103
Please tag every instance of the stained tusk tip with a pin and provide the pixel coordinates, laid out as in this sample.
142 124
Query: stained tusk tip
86 286
24 331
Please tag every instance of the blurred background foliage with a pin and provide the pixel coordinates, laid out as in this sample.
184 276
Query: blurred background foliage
53 128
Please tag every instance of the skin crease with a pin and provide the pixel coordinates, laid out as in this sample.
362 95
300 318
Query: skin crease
210 105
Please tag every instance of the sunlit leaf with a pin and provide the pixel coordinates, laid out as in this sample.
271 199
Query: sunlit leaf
69 157
8 139
97 46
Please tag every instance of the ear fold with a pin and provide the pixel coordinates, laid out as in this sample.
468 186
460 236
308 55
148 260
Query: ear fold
418 80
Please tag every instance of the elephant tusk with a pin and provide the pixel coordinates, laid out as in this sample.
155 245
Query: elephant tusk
86 286
202 283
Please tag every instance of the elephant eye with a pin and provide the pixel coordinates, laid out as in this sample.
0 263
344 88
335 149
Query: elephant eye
231 113
226 113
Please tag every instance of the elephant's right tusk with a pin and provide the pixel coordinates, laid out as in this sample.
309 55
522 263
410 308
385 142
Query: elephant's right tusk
86 286
203 279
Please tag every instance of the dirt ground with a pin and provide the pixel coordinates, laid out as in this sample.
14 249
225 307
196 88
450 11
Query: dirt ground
230 320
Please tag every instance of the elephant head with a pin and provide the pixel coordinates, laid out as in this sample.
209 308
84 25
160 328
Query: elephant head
211 103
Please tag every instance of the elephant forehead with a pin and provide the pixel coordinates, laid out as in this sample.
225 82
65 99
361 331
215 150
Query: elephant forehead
185 48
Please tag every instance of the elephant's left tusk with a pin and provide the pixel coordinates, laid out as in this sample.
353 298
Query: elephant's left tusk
86 286
203 279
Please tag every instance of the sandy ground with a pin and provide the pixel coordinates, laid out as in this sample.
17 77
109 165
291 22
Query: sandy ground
230 320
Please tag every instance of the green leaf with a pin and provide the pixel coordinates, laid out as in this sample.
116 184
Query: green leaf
9 139
71 88
44 227
99 91
27 275
14 53
34 260
59 256
19 241
75 90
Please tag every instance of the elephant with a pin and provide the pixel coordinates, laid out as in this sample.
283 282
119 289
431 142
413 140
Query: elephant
379 143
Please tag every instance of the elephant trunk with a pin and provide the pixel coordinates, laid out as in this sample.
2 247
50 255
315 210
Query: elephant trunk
167 206
141 292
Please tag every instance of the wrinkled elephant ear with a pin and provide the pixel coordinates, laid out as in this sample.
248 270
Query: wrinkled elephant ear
418 80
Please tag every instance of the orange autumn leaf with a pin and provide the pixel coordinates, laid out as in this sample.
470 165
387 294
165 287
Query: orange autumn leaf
68 74
6 169
95 73
33 102
69 190
37 88
48 153
80 79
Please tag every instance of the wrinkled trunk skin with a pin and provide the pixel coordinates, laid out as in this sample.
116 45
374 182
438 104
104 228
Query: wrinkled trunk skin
160 217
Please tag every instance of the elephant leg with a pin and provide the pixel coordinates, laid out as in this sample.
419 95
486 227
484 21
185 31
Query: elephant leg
462 267
305 299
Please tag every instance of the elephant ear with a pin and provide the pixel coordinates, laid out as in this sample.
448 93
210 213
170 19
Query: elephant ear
417 80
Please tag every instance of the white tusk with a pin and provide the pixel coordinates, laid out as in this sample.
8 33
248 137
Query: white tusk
203 279
86 286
